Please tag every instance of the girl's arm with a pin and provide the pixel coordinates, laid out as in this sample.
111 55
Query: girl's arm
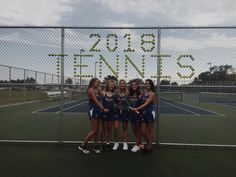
95 100
151 98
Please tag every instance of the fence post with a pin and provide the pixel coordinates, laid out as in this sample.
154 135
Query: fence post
158 85
24 87
61 128
9 98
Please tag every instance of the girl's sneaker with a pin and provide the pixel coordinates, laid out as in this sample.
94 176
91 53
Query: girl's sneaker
135 148
83 149
115 147
125 146
96 149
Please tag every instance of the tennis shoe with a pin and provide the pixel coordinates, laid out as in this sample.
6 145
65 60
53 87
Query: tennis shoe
125 146
135 148
115 147
83 149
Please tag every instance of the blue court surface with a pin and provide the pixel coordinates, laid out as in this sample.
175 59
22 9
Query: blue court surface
166 108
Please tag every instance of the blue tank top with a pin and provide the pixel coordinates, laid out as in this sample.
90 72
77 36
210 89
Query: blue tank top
134 101
93 105
109 102
150 106
121 102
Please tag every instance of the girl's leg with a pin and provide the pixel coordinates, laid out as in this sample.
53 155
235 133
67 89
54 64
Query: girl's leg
134 128
125 135
116 130
96 135
150 131
109 127
143 131
125 130
138 134
103 131
92 133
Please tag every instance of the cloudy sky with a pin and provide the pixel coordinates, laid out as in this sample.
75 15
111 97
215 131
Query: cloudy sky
29 48
117 12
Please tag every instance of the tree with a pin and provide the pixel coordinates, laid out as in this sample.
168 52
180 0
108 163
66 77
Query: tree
217 74
165 82
69 81
110 77
138 80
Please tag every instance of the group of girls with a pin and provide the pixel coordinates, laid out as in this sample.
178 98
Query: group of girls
110 107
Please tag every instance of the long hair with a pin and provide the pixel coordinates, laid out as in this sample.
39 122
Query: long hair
91 83
151 85
108 83
125 89
131 91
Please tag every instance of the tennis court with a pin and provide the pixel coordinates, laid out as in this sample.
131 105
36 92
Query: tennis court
171 108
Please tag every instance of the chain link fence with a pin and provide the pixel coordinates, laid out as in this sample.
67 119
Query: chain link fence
44 73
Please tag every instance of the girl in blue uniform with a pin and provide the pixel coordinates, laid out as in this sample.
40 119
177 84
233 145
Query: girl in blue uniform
108 117
95 108
134 100
148 113
121 114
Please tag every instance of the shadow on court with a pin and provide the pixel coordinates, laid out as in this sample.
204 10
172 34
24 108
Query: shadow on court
27 160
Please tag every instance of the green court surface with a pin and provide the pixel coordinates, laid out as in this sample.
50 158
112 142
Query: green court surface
21 160
22 123
19 122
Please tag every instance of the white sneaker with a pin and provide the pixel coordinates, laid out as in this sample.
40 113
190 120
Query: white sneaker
83 149
115 147
135 148
96 149
125 146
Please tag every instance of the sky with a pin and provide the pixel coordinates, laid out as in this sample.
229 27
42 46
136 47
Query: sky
29 48
117 12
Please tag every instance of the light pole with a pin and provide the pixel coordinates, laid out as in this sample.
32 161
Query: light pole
209 66
95 68
80 68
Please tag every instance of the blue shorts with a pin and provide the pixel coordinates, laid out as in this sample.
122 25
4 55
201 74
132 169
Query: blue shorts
94 113
108 116
148 117
122 115
134 117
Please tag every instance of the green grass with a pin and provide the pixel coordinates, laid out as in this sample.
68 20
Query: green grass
19 96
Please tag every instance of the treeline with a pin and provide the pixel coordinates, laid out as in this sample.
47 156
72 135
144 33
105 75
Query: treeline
223 74
27 80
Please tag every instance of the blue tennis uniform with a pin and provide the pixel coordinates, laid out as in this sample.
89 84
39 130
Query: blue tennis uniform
94 111
121 108
148 113
108 103
134 102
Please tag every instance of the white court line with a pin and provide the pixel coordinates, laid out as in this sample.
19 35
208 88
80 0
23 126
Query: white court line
197 145
204 109
182 108
73 106
56 106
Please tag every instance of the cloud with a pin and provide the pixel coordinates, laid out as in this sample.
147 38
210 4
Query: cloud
32 12
214 40
207 12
